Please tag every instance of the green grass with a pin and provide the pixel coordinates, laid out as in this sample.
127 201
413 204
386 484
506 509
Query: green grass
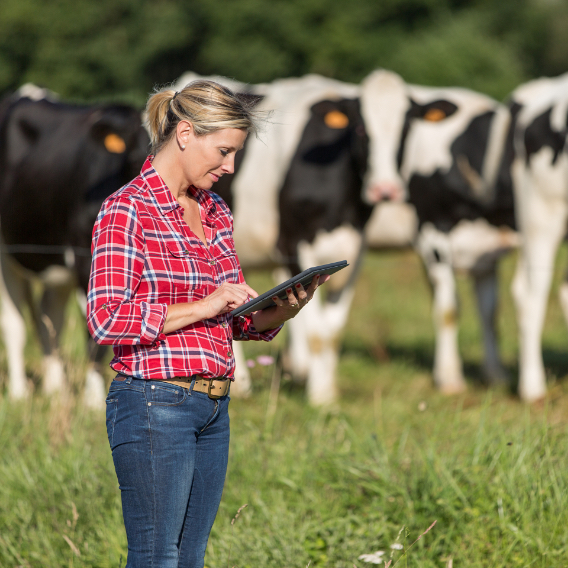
325 487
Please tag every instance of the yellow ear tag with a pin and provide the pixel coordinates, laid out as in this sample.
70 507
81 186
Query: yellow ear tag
435 115
336 119
115 144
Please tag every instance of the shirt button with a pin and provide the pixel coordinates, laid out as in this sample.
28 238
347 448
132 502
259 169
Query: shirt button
155 346
212 262
229 353
224 324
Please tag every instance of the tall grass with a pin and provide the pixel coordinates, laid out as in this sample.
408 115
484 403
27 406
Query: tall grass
325 487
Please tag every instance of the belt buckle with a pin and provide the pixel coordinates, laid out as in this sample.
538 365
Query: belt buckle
210 394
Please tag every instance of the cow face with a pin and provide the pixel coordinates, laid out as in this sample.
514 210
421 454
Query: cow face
427 132
58 163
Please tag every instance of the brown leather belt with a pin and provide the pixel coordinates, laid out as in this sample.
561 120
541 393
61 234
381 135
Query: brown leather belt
214 388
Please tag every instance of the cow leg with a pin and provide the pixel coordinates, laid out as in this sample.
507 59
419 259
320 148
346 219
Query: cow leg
50 322
242 386
324 323
448 374
531 286
434 248
14 291
95 392
486 292
296 356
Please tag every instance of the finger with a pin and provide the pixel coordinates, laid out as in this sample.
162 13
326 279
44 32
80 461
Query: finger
292 300
277 301
250 291
313 285
301 292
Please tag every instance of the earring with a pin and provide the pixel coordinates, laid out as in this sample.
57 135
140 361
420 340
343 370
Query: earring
183 146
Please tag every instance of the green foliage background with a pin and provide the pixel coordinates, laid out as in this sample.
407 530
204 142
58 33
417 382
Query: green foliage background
120 49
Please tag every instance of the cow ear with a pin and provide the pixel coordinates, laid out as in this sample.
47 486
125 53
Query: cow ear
107 136
336 119
114 143
437 110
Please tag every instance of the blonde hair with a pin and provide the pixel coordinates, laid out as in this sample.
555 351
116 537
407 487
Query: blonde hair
208 105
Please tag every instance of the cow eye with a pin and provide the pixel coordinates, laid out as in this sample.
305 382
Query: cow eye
114 144
336 119
434 115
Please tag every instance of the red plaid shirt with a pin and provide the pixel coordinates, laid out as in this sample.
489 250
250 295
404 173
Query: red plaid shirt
146 258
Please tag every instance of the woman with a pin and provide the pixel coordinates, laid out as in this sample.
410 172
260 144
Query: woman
164 278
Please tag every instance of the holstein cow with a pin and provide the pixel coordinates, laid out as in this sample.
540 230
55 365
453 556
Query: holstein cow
58 162
440 149
296 200
540 176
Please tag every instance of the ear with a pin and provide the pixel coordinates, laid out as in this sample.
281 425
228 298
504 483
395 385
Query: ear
184 131
434 111
108 137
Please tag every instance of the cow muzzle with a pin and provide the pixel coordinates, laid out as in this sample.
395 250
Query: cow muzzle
384 191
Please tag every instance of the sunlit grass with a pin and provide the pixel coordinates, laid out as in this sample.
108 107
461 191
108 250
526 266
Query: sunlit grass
325 487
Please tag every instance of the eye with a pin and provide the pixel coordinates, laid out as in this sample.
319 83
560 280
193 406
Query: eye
224 152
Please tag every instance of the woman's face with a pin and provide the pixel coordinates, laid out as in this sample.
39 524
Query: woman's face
206 158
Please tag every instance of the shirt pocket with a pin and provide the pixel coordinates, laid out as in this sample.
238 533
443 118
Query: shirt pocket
228 263
187 273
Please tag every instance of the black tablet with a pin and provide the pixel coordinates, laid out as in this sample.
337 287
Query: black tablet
304 278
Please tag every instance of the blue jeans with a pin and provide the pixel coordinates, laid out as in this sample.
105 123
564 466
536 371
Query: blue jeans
170 449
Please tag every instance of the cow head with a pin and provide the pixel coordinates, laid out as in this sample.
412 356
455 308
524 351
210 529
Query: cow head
384 105
424 131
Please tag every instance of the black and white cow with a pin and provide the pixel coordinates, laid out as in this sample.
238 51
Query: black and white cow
440 149
58 162
296 201
295 204
540 176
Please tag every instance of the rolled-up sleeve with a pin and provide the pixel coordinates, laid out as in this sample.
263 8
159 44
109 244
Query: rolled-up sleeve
244 330
113 317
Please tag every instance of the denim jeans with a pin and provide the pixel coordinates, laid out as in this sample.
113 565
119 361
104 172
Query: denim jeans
170 449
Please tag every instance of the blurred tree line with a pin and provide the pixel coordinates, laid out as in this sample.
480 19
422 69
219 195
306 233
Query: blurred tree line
121 49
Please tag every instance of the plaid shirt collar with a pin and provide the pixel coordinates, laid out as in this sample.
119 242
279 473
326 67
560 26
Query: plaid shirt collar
164 197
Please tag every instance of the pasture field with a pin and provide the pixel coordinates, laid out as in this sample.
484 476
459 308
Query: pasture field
325 487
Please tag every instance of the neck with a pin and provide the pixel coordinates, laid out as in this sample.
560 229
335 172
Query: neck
166 163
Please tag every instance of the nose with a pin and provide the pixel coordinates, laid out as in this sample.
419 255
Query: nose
384 191
228 165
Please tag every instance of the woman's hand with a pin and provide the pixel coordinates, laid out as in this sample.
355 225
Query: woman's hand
284 310
224 299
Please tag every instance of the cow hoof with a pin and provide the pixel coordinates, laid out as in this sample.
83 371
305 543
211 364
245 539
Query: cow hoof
53 375
532 396
456 388
20 392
